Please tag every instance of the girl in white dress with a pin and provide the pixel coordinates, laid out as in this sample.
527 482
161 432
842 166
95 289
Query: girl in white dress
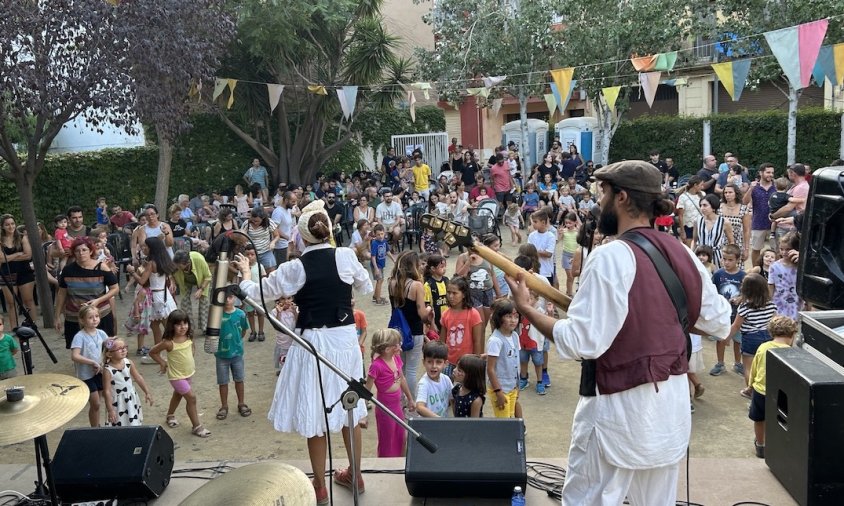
157 271
119 378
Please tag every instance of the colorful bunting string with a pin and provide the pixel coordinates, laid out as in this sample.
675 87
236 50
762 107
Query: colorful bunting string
348 98
804 41
665 61
644 63
733 76
830 65
563 79
551 102
317 89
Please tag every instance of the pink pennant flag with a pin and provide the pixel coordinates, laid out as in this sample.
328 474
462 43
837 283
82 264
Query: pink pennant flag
796 49
649 82
810 36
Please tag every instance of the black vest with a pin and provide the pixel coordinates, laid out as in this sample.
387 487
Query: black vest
325 300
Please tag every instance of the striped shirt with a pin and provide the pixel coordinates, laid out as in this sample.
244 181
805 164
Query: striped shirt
756 319
261 236
84 285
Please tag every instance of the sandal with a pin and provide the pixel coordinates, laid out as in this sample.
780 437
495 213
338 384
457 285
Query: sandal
222 413
172 422
344 479
200 431
244 410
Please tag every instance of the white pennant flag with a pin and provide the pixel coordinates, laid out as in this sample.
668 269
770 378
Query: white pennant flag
489 82
411 101
274 91
219 86
425 87
348 97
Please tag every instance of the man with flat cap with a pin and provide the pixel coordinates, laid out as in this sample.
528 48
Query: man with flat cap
632 423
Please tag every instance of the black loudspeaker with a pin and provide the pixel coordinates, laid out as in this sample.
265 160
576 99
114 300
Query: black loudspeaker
476 457
804 426
820 276
113 462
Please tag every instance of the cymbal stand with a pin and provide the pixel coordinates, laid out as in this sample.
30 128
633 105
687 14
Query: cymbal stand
42 453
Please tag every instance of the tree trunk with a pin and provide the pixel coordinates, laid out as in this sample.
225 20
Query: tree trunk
607 130
523 124
793 97
162 184
42 285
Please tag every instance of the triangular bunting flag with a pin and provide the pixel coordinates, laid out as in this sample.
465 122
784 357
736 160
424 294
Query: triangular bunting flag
649 82
665 61
804 42
231 84
830 65
741 69
496 105
411 102
611 95
348 98
679 82
274 91
425 87
643 63
219 86
724 71
558 100
317 89
489 82
562 78
551 102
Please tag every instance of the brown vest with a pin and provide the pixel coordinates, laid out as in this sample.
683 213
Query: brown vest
651 345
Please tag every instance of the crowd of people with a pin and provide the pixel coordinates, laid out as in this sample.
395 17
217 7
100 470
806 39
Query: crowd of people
475 334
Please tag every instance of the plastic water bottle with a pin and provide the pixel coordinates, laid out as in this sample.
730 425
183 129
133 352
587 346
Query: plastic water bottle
518 497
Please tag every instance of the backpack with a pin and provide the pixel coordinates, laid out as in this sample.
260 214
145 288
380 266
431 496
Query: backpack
399 322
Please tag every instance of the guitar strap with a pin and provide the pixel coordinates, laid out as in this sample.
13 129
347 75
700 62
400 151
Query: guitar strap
675 292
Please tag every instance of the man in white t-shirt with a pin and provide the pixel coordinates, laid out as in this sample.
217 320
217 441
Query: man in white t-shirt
283 217
389 213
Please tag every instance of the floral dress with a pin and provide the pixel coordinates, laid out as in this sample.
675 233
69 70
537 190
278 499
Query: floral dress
784 279
737 223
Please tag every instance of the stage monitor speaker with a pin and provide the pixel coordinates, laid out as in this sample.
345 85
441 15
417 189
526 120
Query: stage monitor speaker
113 462
804 432
820 276
476 457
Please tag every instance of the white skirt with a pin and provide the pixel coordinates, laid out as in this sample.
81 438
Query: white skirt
297 405
162 305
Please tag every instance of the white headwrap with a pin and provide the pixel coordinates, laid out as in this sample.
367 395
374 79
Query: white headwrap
315 207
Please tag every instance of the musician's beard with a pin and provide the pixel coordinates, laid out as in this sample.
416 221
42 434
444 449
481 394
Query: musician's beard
608 220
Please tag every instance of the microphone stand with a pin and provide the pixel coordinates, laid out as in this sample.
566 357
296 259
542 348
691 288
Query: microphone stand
349 398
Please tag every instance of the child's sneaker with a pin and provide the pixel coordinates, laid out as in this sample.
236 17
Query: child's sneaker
146 359
546 380
523 383
760 449
252 337
540 389
738 368
699 389
718 369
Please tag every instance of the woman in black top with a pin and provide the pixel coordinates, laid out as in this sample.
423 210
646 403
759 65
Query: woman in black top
408 294
15 271
548 167
177 224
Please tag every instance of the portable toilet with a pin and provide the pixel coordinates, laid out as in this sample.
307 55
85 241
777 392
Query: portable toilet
537 138
582 132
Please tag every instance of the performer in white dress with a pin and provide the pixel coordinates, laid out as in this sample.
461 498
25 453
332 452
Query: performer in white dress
321 284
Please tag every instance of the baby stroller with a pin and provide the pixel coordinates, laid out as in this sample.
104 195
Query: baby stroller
484 218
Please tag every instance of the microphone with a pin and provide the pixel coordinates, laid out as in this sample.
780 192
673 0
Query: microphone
218 291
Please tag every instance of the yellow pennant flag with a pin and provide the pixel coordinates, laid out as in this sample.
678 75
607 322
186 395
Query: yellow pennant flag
611 95
551 102
562 78
231 83
317 89
838 58
724 71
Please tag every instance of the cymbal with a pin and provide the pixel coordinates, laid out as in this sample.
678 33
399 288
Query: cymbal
49 401
261 483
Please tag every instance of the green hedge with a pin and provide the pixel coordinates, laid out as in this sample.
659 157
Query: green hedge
755 138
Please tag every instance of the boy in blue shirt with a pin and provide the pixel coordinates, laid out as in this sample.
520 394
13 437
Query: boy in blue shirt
728 281
379 250
229 356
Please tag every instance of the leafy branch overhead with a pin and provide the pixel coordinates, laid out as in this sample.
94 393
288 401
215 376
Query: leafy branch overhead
299 43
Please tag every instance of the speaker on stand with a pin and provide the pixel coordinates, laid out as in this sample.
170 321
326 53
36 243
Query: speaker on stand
113 462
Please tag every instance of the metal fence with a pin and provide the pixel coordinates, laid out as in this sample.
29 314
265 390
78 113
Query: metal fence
434 147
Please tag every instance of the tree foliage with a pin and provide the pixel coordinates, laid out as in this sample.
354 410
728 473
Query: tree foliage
308 42
601 36
475 39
